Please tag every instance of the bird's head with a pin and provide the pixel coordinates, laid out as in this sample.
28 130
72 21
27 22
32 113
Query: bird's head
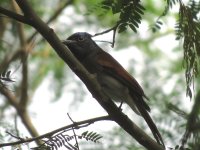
81 44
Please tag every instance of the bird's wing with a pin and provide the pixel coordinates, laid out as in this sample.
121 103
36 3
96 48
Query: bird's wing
118 72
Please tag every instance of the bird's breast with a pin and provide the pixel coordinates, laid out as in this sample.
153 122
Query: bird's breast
112 87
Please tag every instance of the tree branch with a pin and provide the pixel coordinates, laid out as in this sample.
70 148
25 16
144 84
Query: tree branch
23 115
75 125
10 97
24 84
13 15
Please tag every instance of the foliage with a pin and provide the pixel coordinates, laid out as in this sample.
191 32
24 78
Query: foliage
6 76
64 140
188 28
192 126
130 12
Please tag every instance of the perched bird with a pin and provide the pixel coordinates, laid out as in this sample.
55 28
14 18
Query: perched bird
114 80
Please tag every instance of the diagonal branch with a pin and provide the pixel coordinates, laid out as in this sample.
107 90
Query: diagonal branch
23 115
13 15
10 97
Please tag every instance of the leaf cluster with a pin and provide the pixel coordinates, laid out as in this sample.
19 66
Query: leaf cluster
191 136
91 136
64 140
130 12
5 77
188 29
157 25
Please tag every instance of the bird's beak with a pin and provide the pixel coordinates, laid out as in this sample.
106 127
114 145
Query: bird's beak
67 41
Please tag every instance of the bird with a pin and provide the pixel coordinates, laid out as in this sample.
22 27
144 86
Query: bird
114 80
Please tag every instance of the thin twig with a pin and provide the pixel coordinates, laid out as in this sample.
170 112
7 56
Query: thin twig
75 138
16 137
73 130
114 29
71 118
16 125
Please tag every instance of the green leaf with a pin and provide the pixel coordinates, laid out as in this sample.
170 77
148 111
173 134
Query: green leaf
140 7
157 26
122 27
134 22
140 11
159 22
133 27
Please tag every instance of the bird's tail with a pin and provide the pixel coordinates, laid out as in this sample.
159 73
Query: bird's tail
143 112
152 126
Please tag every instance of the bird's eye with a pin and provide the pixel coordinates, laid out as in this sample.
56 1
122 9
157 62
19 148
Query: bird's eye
80 38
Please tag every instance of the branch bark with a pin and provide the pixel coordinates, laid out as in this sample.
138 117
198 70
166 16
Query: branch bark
24 84
13 15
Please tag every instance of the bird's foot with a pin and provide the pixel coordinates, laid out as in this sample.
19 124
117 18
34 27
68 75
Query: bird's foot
120 106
